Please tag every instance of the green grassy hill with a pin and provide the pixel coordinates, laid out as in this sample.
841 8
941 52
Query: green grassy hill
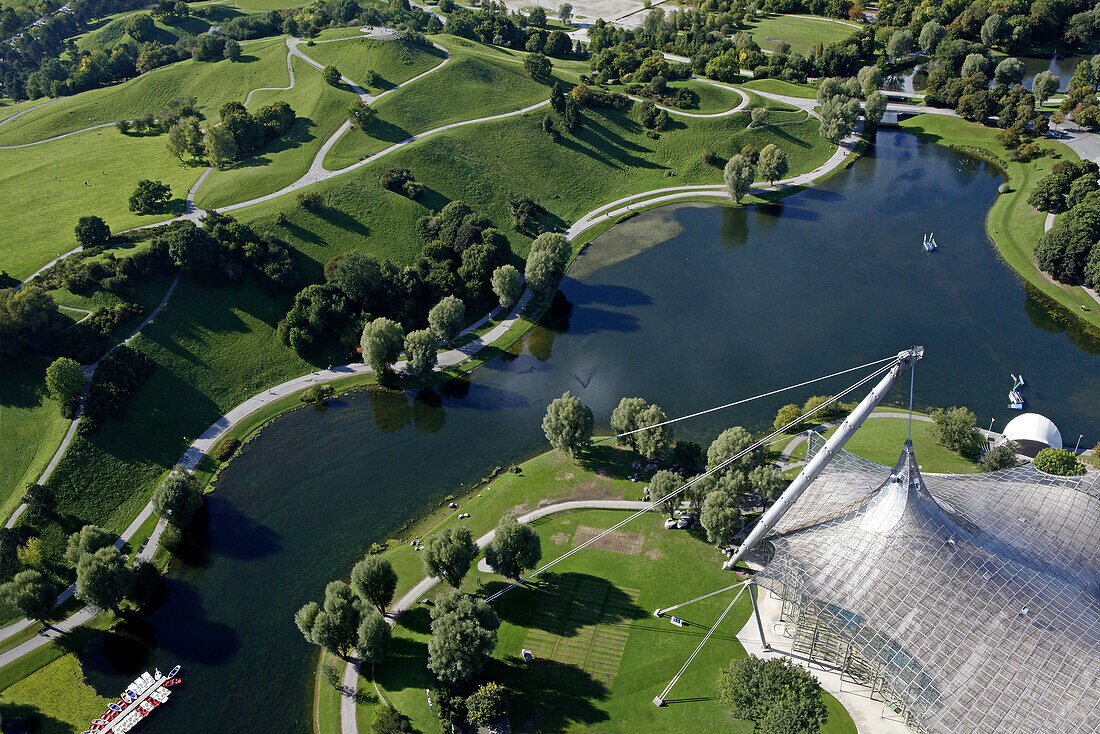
393 61
108 33
45 188
479 80
321 110
214 84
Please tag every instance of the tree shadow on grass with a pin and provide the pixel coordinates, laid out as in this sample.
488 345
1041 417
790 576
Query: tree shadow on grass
387 132
344 221
20 718
562 604
608 460
554 696
780 132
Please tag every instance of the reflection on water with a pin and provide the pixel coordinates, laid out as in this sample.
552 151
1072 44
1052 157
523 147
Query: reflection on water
733 303
915 78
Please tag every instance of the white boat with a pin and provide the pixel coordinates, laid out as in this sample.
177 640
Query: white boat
138 700
1015 400
930 242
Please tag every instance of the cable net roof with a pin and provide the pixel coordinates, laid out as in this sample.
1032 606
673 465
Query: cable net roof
976 597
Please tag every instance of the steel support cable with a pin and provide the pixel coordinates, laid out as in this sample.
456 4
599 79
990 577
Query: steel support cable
662 610
748 400
695 480
659 700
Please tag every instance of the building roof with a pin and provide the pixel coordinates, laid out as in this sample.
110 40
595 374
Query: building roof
1032 428
976 598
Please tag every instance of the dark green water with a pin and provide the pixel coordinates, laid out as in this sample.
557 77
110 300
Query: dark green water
689 306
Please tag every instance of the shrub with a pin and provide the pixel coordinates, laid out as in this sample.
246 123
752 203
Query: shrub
317 393
226 448
1058 461
310 200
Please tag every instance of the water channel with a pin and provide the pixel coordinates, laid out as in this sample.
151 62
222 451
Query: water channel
688 306
915 78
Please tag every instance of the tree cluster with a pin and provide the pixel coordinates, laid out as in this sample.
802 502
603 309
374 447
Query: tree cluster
115 380
401 181
225 249
494 23
778 695
103 578
1070 250
353 616
241 133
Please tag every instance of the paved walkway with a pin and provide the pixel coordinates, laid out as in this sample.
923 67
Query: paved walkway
350 679
870 716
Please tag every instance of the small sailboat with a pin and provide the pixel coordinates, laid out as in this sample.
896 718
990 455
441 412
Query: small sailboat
930 242
1015 400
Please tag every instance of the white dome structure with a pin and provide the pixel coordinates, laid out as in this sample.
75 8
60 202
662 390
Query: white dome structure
1033 433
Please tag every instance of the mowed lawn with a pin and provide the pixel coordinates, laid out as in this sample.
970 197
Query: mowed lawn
802 33
600 655
212 83
57 693
31 427
394 62
320 108
880 439
45 189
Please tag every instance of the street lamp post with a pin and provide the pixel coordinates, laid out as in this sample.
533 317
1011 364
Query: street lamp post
1078 443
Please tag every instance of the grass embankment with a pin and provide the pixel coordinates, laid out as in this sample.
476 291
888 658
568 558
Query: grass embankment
881 438
778 86
45 189
394 62
31 427
320 109
802 33
1012 224
596 669
480 80
58 696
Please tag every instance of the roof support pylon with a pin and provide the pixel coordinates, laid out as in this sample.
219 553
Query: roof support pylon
814 467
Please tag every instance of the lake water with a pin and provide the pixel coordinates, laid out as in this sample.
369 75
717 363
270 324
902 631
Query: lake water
689 306
915 78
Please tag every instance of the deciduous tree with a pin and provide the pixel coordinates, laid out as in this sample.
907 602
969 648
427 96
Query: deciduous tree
538 67
931 34
956 430
88 539
720 516
65 381
331 75
838 117
449 553
1058 461
220 145
1044 85
773 162
150 197
421 353
464 635
373 641
874 108
382 343
515 548
507 285
487 704
31 593
777 691
102 578
177 498
92 231
374 580
568 423
447 318
739 175
663 484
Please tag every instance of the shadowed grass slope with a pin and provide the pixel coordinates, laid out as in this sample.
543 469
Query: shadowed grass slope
393 61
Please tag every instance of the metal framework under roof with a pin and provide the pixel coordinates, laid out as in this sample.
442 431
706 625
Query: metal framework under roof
972 601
